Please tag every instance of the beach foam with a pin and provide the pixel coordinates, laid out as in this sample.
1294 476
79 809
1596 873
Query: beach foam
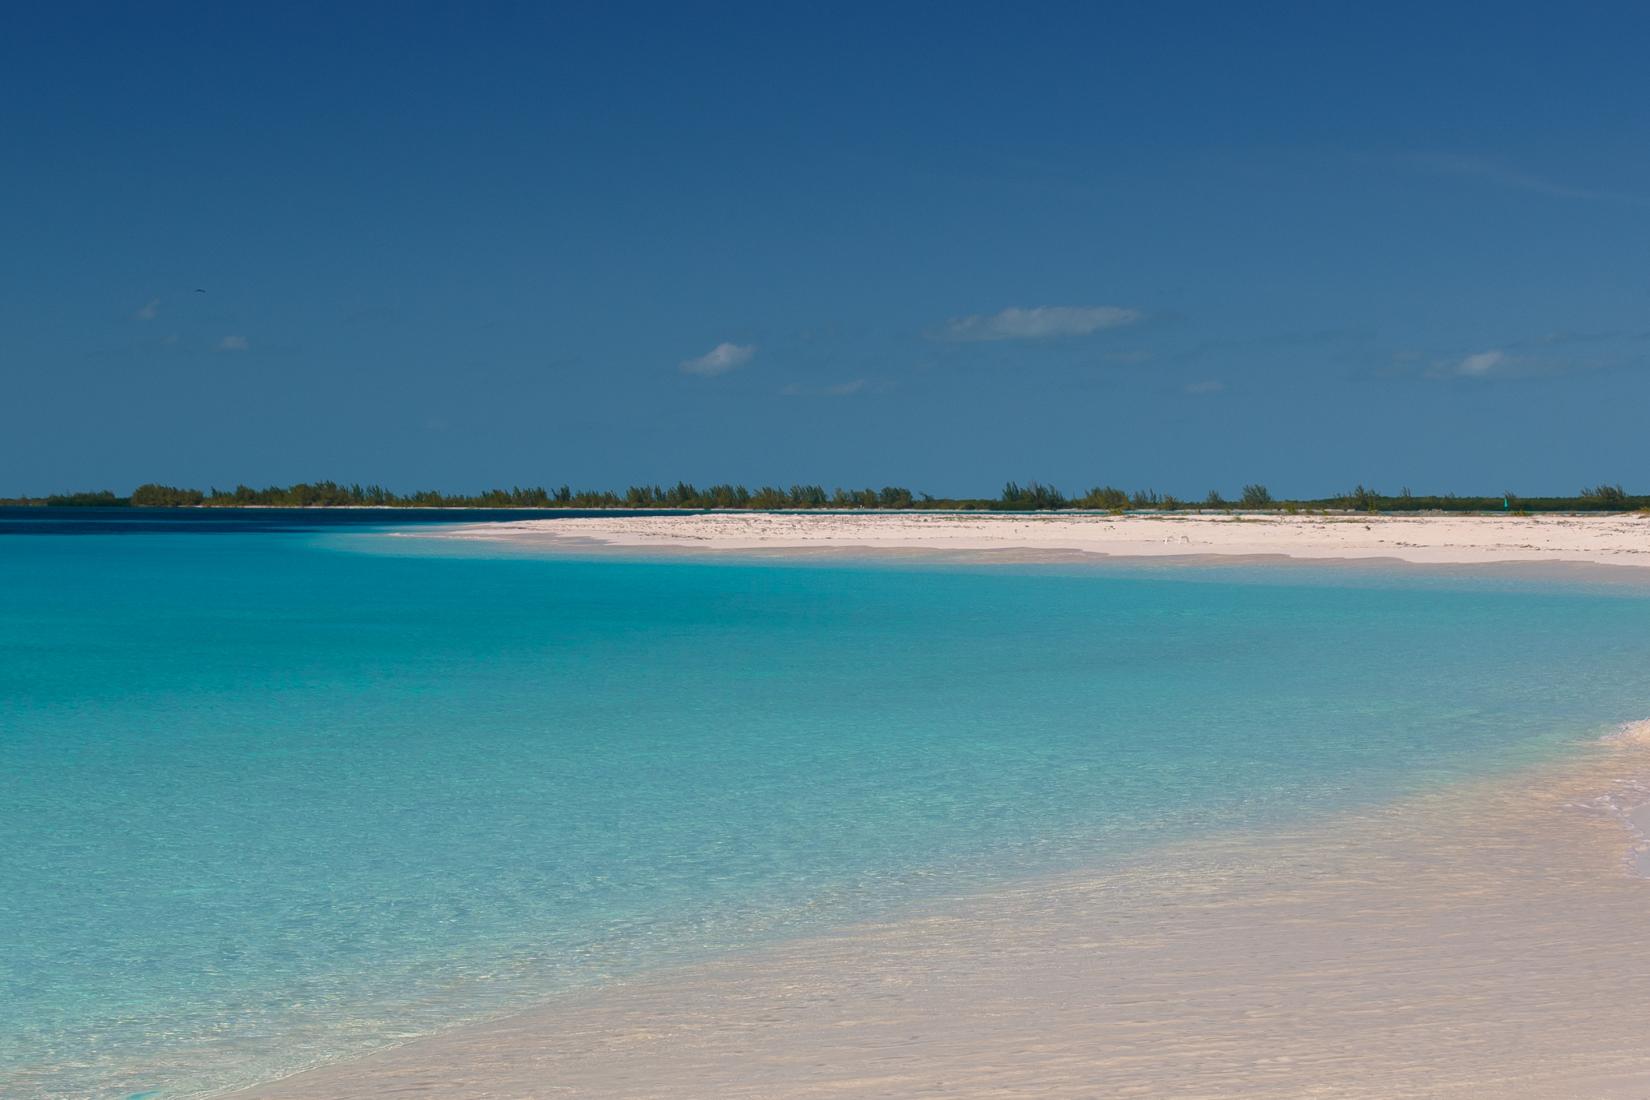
1628 801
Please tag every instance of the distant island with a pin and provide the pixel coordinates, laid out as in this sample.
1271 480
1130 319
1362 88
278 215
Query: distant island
1030 497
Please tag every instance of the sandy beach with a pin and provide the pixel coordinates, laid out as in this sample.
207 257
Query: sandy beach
1479 942
1610 540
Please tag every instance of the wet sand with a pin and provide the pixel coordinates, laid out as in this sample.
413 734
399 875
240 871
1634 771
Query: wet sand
1484 940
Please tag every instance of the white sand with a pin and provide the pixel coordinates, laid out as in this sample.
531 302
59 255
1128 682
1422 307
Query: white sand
1429 539
1489 942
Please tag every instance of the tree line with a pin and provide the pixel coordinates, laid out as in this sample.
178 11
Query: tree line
1030 497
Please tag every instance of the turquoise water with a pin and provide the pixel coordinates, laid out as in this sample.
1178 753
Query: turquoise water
278 796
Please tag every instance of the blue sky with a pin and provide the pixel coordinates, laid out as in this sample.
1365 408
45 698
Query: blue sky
1181 246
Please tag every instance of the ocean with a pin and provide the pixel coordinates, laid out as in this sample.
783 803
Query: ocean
278 788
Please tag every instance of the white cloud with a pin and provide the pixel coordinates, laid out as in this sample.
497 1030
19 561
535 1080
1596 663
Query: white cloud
1208 385
1551 356
149 312
1039 323
1482 363
1499 364
233 343
719 360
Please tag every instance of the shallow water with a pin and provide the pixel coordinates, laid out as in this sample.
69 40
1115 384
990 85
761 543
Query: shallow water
1481 939
274 797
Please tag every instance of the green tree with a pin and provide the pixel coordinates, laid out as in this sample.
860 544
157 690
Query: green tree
1105 497
892 496
1034 496
1605 496
165 496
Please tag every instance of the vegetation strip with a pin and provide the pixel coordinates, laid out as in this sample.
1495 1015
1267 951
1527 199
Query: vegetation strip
1031 497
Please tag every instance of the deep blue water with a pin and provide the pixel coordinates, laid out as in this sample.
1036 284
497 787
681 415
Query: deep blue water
232 521
288 791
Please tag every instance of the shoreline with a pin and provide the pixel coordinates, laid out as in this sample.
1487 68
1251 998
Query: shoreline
1480 938
1483 938
1556 571
1618 545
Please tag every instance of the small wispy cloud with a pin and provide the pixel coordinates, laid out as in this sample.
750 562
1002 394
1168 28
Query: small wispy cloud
720 359
1552 354
233 343
1498 364
1039 323
1502 174
149 311
1481 363
1204 387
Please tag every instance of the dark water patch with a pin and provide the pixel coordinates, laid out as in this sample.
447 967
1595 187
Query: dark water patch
176 521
